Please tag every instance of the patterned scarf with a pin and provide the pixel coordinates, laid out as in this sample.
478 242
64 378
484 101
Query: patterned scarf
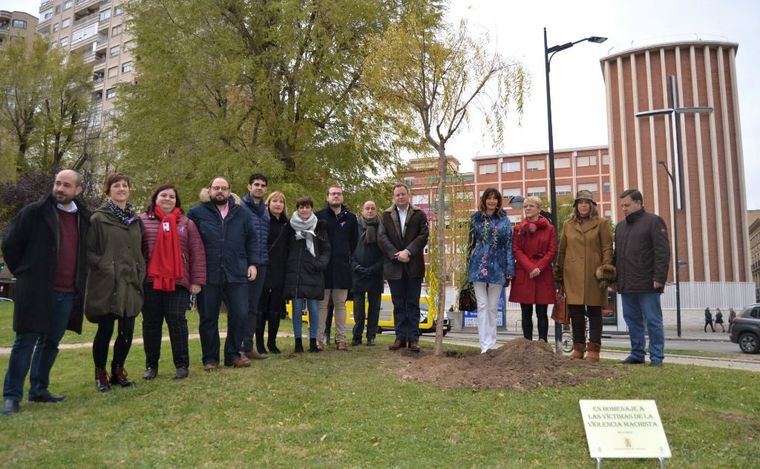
305 230
126 215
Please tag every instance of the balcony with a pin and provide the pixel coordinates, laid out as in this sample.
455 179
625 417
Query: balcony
44 5
85 19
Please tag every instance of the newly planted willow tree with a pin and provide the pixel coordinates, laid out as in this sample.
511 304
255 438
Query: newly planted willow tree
435 77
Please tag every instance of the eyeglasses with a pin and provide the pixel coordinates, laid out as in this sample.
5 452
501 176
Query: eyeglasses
220 188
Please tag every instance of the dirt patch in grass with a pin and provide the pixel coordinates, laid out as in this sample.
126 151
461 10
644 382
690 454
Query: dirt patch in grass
518 365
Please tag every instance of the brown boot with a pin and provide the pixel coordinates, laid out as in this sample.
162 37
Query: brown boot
578 350
342 345
101 380
119 376
398 344
593 351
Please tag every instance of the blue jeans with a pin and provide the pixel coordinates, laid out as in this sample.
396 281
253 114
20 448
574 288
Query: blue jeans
254 295
38 351
638 308
313 307
405 294
235 296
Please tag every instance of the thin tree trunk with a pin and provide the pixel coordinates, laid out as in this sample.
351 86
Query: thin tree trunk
440 227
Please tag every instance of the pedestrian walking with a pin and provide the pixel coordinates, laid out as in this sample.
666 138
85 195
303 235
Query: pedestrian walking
708 319
719 319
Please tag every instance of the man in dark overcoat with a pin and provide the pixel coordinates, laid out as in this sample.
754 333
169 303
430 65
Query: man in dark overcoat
45 249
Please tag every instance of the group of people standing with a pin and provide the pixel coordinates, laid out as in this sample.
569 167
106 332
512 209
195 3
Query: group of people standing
113 263
586 266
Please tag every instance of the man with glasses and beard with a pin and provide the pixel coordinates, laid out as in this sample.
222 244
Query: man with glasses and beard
45 248
229 237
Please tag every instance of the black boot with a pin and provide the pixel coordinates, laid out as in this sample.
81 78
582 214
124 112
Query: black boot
260 342
272 346
313 346
299 346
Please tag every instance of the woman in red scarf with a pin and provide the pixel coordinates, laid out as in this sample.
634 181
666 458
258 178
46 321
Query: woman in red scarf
176 263
534 244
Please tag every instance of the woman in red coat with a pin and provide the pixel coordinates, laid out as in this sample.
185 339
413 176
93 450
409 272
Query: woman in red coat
534 245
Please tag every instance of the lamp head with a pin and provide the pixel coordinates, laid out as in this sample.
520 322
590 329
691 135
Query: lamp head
597 39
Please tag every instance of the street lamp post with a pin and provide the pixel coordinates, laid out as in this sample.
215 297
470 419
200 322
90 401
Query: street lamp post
548 54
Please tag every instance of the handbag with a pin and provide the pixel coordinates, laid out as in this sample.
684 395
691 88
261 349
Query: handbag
467 301
559 312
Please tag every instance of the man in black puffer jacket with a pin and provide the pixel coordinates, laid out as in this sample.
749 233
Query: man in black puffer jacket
642 256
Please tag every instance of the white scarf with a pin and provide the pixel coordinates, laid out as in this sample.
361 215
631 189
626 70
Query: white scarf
304 229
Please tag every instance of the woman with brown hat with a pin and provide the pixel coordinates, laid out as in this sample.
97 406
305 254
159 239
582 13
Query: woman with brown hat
584 268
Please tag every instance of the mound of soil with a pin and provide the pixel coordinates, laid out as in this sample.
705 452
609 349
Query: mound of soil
518 365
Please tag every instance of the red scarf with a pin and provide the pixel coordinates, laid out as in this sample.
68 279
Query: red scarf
165 266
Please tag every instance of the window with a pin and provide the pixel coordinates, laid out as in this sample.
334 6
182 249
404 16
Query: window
113 71
84 33
420 199
110 93
105 14
591 187
537 191
65 23
115 50
116 30
511 167
585 161
118 11
409 181
64 41
469 195
535 165
129 45
564 189
44 16
21 24
511 192
606 160
55 27
608 214
127 67
606 187
487 168
560 163
67 4
57 9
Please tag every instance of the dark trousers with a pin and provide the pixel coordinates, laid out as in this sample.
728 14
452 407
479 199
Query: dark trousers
169 305
122 344
527 321
235 296
252 319
372 314
38 351
271 306
578 314
708 322
405 294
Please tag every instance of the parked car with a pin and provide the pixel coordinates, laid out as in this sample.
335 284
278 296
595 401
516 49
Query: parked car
746 329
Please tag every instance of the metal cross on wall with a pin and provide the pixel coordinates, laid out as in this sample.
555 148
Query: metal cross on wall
675 125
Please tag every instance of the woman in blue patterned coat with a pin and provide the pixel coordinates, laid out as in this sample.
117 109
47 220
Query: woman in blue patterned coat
491 263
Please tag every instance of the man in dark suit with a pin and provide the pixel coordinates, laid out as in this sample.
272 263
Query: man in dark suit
45 249
402 237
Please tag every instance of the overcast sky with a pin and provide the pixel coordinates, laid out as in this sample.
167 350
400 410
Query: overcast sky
515 29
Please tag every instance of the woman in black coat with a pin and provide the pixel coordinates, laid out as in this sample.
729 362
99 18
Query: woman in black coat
309 253
367 267
272 304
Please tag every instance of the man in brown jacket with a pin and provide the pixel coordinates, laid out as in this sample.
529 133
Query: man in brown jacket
642 256
402 236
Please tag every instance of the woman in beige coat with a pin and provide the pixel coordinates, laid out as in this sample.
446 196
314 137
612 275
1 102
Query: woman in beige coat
584 268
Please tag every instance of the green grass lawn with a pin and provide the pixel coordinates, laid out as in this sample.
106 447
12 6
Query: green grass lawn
351 410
